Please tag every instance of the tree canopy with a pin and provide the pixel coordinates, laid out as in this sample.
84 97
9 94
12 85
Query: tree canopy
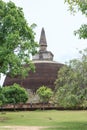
14 94
44 93
17 40
75 6
71 84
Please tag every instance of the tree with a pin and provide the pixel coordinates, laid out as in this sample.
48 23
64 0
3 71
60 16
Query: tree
15 94
71 83
75 6
44 93
17 40
2 99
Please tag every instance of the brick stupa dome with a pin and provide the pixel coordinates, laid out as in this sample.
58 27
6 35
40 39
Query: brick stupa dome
46 69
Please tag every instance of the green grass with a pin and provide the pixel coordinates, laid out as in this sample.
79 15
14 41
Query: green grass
57 120
2 128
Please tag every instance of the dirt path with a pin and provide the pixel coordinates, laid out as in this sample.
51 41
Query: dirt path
22 127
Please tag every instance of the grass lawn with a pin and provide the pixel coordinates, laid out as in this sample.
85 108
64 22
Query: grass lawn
57 120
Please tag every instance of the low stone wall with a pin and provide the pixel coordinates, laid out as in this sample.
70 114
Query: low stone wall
36 106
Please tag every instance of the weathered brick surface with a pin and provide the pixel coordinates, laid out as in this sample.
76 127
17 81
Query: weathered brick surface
46 74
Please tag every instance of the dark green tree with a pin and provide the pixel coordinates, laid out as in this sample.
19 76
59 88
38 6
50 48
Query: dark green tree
15 94
2 98
1 102
17 40
71 84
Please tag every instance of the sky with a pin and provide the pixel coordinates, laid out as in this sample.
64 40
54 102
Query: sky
59 26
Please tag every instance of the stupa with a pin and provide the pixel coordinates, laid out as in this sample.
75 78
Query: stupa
46 69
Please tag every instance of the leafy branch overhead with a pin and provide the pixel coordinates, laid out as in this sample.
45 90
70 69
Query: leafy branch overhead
17 40
74 7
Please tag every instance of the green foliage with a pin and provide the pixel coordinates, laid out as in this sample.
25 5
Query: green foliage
2 98
15 94
17 42
75 6
82 32
71 84
44 93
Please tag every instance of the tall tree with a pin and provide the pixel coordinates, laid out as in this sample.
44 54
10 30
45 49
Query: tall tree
71 84
17 40
75 6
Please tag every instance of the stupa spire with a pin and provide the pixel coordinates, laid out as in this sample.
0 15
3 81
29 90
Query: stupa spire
43 42
43 54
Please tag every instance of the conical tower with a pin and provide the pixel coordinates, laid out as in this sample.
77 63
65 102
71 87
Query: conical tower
46 70
43 54
43 42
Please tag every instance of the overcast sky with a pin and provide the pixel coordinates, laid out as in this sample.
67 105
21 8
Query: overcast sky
59 25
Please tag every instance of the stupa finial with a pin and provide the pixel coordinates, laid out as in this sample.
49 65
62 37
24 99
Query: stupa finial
43 42
43 54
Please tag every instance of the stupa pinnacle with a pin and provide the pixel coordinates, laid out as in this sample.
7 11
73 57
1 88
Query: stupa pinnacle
45 69
43 42
43 54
